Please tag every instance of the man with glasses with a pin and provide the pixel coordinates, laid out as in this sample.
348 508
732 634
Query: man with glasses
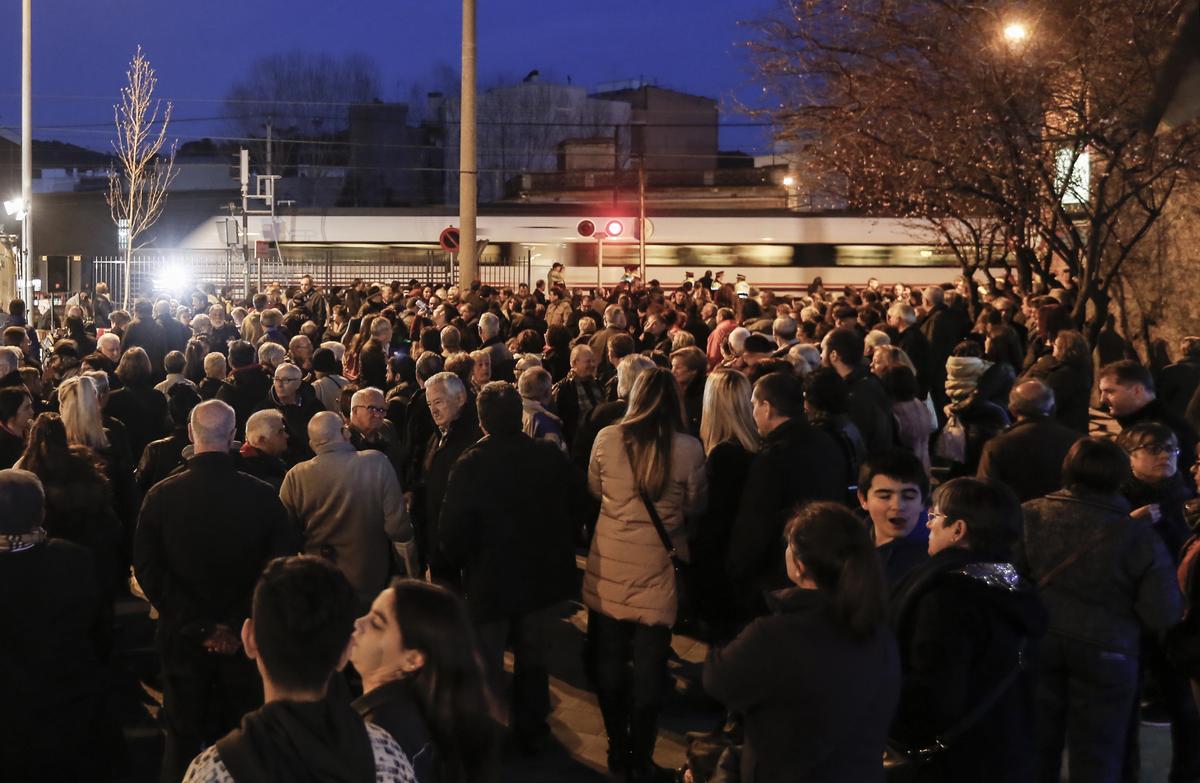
1127 390
298 403
370 430
266 444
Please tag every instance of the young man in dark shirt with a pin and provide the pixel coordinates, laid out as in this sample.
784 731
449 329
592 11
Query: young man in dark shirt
893 491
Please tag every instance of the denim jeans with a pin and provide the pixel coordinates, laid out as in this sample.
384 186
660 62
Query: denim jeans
1085 696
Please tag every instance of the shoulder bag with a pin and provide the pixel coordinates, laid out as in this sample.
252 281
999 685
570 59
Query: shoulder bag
681 568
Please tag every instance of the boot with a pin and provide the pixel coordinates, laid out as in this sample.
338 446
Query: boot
643 733
615 712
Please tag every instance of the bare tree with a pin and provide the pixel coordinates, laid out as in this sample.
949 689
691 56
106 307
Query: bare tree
1027 119
305 98
138 182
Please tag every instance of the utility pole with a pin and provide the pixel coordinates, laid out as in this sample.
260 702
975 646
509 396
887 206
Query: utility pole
642 218
468 174
27 150
270 170
244 176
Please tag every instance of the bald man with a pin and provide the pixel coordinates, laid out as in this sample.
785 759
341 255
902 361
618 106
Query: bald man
1028 456
203 537
349 504
298 403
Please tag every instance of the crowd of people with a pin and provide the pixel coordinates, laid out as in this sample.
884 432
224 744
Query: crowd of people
882 508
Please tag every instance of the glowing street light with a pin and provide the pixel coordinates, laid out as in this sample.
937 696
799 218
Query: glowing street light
788 181
1016 33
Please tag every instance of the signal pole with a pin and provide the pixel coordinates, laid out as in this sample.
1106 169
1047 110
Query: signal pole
468 175
27 150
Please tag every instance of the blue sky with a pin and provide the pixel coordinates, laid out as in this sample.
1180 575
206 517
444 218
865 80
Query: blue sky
199 49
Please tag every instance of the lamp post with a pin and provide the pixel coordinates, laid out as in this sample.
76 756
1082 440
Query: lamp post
468 173
27 149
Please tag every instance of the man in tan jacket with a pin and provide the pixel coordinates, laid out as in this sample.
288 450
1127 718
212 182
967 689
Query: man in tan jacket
349 505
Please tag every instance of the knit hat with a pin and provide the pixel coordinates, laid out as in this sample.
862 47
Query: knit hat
324 361
23 501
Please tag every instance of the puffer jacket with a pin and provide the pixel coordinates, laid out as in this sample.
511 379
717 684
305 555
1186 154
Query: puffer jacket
962 376
629 574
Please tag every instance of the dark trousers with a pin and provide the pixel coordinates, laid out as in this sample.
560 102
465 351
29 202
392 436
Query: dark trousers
529 698
1085 695
630 662
1175 692
204 697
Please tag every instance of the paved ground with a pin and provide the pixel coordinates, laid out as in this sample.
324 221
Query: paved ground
578 750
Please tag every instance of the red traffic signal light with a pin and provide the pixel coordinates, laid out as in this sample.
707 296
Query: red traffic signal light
613 228
586 228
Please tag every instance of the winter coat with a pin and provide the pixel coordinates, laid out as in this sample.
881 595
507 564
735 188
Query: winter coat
629 574
817 702
794 466
150 337
540 424
574 399
1072 388
161 458
727 466
328 389
961 622
143 411
1177 383
1170 495
203 538
433 476
297 415
245 390
349 505
1028 457
1123 584
916 346
516 556
870 409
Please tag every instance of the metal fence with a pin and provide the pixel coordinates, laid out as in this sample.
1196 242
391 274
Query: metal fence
180 271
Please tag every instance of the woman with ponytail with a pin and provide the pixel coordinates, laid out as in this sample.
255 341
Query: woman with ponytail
818 679
423 682
644 468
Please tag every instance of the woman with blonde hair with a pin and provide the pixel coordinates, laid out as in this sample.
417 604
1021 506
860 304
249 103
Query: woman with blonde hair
79 406
649 475
252 328
730 440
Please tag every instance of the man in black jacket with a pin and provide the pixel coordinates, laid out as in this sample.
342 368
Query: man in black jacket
203 538
456 431
248 383
869 406
147 334
906 335
1177 382
1028 456
517 562
1127 389
797 463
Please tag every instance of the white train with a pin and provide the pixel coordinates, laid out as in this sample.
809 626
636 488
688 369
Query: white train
772 250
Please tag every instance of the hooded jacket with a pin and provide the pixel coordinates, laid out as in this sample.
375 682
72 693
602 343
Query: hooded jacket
963 624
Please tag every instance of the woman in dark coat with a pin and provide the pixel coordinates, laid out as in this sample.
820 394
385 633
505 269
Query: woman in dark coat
138 405
688 365
423 682
1068 371
818 679
730 442
964 621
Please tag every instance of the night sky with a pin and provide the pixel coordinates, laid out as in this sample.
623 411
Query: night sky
81 48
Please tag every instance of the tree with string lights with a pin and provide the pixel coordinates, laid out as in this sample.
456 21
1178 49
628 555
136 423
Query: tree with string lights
140 177
1017 136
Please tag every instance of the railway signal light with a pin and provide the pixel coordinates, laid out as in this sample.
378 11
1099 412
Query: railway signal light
586 228
613 228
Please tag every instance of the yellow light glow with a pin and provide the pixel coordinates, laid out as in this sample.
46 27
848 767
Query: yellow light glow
1016 33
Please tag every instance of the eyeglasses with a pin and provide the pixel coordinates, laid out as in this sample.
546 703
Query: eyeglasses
287 380
1155 450
372 409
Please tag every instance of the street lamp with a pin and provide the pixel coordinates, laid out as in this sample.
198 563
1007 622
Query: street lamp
1016 33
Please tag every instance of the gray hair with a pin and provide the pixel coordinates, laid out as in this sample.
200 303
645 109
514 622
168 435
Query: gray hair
449 382
212 423
362 394
100 379
874 339
903 312
106 339
580 349
535 383
587 325
784 328
299 340
451 339
614 316
259 424
628 370
9 360
271 354
214 365
201 324
489 325
737 339
806 357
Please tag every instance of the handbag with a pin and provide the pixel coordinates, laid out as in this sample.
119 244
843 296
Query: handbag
682 569
901 763
952 443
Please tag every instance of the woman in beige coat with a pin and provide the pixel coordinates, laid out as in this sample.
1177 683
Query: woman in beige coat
629 587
